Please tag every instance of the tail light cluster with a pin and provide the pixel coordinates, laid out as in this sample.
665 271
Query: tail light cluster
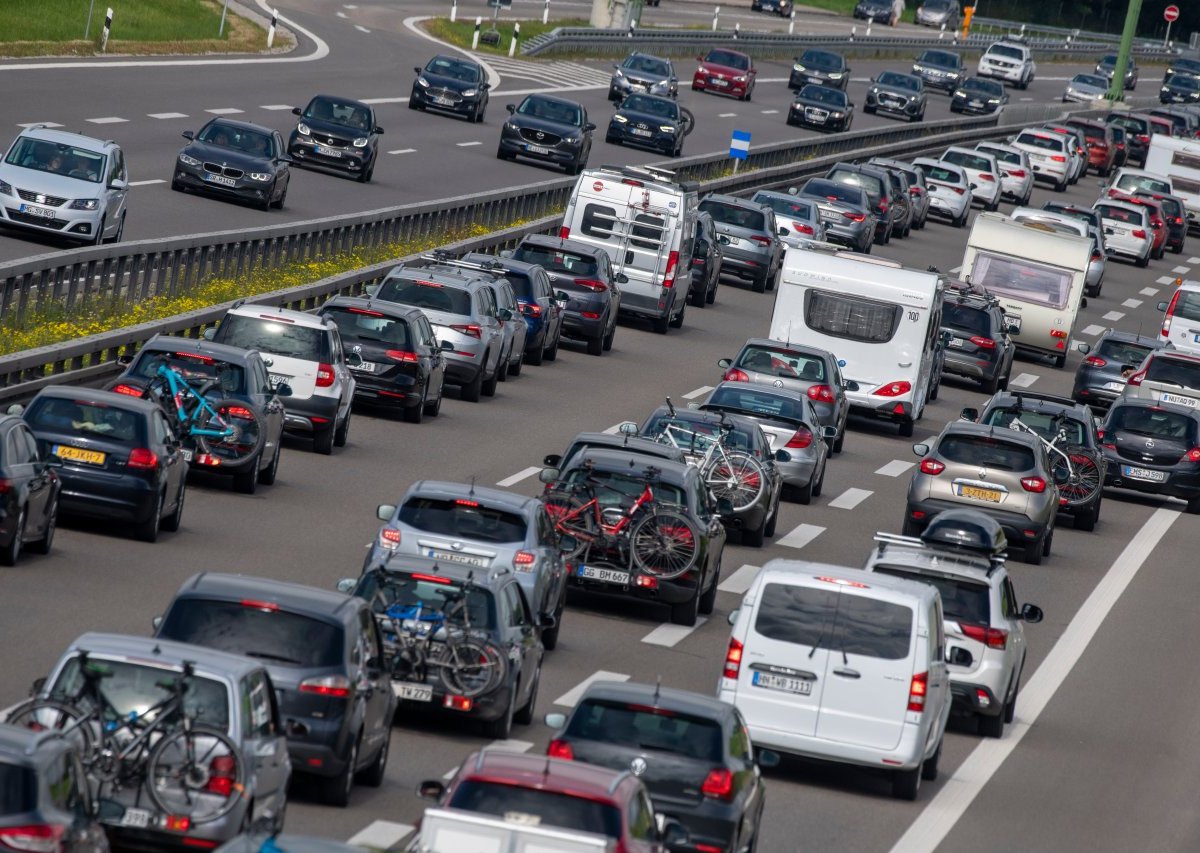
820 393
222 770
33 837
1166 325
733 374
1058 158
560 749
758 240
1094 361
993 638
718 784
733 659
472 330
854 217
893 389
801 228
1136 379
334 686
932 466
592 284
669 276
1016 173
801 439
129 390
1139 233
917 689
324 375
524 560
984 176
389 538
402 356
142 459
1033 484
983 343
1192 455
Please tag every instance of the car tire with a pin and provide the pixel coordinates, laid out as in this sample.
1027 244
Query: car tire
365 176
840 441
961 222
266 476
552 353
992 726
524 716
469 393
8 557
536 355
906 428
1033 553
246 482
803 495
686 613
754 537
342 433
697 298
759 285
98 237
1010 707
1060 186
335 791
516 365
677 320
611 140
595 346
501 729
433 408
43 545
414 104
868 109
172 522
502 369
488 389
906 783
773 522
373 774
415 414
820 483
278 204
929 767
147 531
550 636
1193 506
116 238
323 442
267 203
711 296
708 601
994 206
501 154
610 337
1143 261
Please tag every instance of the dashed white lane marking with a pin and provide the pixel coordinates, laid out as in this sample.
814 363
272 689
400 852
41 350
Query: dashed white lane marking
726 115
349 6
1148 291
381 834
147 183
769 112
1092 330
850 498
376 101
571 697
468 144
275 107
1165 279
1114 315
1023 380
739 581
361 28
342 15
225 111
699 392
1194 260
165 116
403 151
1026 99
29 124
894 468
1131 303
801 536
1181 270
518 477
107 120
669 635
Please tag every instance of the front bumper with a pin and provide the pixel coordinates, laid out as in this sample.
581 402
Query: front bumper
899 106
973 106
720 85
560 154
800 79
348 160
653 138
1000 72
438 100
816 117
878 16
243 189
76 224
624 86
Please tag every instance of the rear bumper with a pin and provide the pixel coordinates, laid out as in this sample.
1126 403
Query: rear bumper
121 498
676 591
1014 524
961 364
309 415
576 326
645 305
976 698
1179 484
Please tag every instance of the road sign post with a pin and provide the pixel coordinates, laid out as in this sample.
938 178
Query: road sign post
1170 15
739 147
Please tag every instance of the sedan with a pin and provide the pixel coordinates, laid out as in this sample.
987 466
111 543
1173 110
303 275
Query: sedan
821 107
1179 89
29 497
1153 447
823 67
939 13
234 159
725 72
451 84
897 94
940 69
782 8
1086 88
336 134
550 129
801 218
876 11
641 73
978 96
649 121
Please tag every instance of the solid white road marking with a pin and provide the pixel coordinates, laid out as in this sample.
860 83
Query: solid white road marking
669 635
894 468
147 183
1165 279
361 28
940 815
1182 270
1092 330
402 151
801 536
1131 303
107 120
1023 380
518 477
850 498
699 392
571 697
1114 315
381 834
46 124
165 116
1149 291
275 107
374 101
468 144
225 111
739 581
726 115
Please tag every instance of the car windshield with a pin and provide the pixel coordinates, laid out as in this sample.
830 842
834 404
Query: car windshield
521 285
1125 353
898 81
965 318
734 214
983 87
1174 371
1045 424
559 112
237 138
429 295
833 191
258 629
362 324
743 398
18 790
533 807
88 419
986 452
132 689
940 58
963 601
695 436
463 518
935 172
779 361
56 158
1005 51
616 488
646 726
786 206
557 260
279 337
1089 80
648 65
822 60
195 367
345 113
1109 61
455 69
400 595
729 59
822 95
661 107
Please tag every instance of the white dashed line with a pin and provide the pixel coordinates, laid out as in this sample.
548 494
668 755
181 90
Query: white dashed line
361 28
956 271
801 536
739 581
225 111
1026 99
1165 279
1114 315
375 101
670 635
467 144
1023 380
699 392
1092 330
518 477
403 151
726 115
107 120
349 6
1194 260
165 116
147 183
275 107
769 112
1148 291
894 468
1131 303
510 745
342 15
850 498
47 124
1181 270
571 697
381 834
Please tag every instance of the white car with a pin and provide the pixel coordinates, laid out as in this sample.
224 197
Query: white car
1129 181
1049 155
1009 61
983 172
1127 229
1016 172
949 189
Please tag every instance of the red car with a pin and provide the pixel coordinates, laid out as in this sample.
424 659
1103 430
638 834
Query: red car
726 72
1158 219
557 793
1101 144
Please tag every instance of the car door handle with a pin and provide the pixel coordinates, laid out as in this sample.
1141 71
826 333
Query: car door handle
846 672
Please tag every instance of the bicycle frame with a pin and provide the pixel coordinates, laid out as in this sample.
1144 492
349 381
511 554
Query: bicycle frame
627 516
179 390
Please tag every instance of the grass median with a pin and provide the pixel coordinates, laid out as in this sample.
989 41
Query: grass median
461 32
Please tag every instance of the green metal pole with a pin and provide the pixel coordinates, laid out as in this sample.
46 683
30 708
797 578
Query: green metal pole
1116 92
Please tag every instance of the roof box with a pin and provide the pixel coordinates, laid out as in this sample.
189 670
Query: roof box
965 530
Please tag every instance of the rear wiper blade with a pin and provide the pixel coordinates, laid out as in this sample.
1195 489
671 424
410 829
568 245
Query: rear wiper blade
270 656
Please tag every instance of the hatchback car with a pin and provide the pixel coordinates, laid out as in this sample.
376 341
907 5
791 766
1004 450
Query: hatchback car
1049 154
891 217
549 129
749 237
693 753
1107 68
323 651
641 73
876 11
935 13
306 355
949 189
403 365
820 67
118 458
980 347
336 134
1166 376
29 493
1101 144
649 121
1100 378
1158 219
1016 172
1127 230
483 529
1085 89
234 374
55 182
846 212
894 93
800 217
1153 447
541 310
725 72
454 84
1174 215
1077 150
821 108
237 160
1001 472
940 69
983 172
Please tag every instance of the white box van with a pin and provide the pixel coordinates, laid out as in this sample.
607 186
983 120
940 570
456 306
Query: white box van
841 664
1037 273
1179 160
647 225
881 320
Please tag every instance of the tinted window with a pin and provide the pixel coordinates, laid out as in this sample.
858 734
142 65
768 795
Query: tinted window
644 727
787 206
728 58
337 111
521 285
18 790
1153 422
734 214
898 81
1005 52
1040 140
962 600
821 59
966 318
661 107
57 159
400 595
941 173
1090 80
363 325
83 418
263 632
557 111
467 72
851 623
870 183
557 260
425 294
758 403
938 57
833 191
196 368
1123 352
274 336
983 87
823 95
1043 423
695 436
782 362
1174 372
1002 156
528 806
132 689
986 452
463 519
968 160
1020 279
240 139
1121 214
648 65
851 317
615 489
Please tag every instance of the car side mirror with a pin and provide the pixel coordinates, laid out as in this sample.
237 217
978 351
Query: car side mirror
562 296
968 413
372 289
724 506
346 585
15 409
125 360
379 130
1031 613
921 449
118 184
416 69
506 253
37 686
156 622
567 543
829 432
674 834
283 390
725 363
549 474
555 720
552 460
621 278
783 232
431 789
354 359
946 338
209 333
782 456
504 315
296 111
766 757
1084 348
447 345
188 135
699 58
1162 306
627 428
850 385
958 656
384 512
589 127
512 108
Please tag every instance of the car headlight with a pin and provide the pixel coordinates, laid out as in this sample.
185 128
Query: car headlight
959 93
188 161
667 128
6 188
798 67
620 119
85 204
470 93
1165 89
701 70
836 75
361 142
421 81
993 100
260 176
512 125
618 73
874 90
572 139
740 79
303 129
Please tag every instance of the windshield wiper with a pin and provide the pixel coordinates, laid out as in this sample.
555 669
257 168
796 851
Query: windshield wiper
833 621
270 656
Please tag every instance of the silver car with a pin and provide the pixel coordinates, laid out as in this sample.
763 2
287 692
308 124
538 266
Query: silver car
644 74
515 328
1085 89
937 13
949 189
1166 376
846 212
1016 172
750 237
1127 230
55 182
801 217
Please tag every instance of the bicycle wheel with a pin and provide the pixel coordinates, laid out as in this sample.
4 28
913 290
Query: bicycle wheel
736 476
470 666
48 715
198 772
243 428
567 512
1079 482
665 544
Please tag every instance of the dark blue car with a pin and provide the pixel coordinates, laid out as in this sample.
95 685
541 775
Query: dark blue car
542 312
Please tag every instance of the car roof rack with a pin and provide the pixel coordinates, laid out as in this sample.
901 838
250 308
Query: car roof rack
441 257
1023 395
653 173
965 557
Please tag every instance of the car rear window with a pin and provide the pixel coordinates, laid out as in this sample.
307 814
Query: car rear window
1137 125
255 628
833 191
789 207
429 295
963 601
1133 183
521 285
851 317
1017 278
399 594
1187 305
967 319
529 806
941 173
1091 131
18 790
695 436
195 367
1003 156
463 518
746 399
986 452
1154 422
734 214
826 618
1121 214
1041 140
84 418
365 325
870 183
615 489
1171 207
1043 423
1173 371
968 160
1124 352
645 727
557 260
278 337
782 362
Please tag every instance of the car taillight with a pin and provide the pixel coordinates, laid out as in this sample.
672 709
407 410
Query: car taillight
1058 158
592 284
142 459
1096 256
564 233
1033 484
1094 361
1178 220
733 659
916 191
1192 455
524 560
221 775
240 412
5 486
959 190
820 393
854 217
1016 173
883 207
389 537
718 783
983 343
735 375
32 837
1156 224
932 466
532 310
560 749
917 690
1139 233
129 390
801 438
669 275
402 356
1058 333
473 330
758 240
335 686
993 638
1166 325
984 176
893 389
801 228
1143 138
324 375
1136 379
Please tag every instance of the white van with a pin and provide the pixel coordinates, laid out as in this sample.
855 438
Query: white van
1179 160
841 664
647 224
1181 318
1037 273
881 320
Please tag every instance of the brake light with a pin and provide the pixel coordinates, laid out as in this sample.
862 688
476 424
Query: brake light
1094 361
758 240
1058 333
1166 325
264 606
33 837
275 318
402 356
893 389
431 578
465 502
1033 484
1156 223
1143 138
733 659
365 312
324 375
532 310
1096 256
129 390
560 749
1178 220
669 275
389 538
221 777
854 217
1016 173
917 191
993 638
932 466
917 690
959 190
983 343
1058 158
524 558
820 393
5 486
195 356
238 412
1139 233
458 703
801 228
1136 379
735 375
564 232
590 315
883 207
473 330
143 459
984 176
1192 455
718 783
335 686
801 438
592 284
179 822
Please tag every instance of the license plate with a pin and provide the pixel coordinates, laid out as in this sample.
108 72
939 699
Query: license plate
1143 474
815 80
537 149
451 557
1114 386
816 119
443 102
277 378
412 692
365 367
79 454
137 818
328 152
606 575
719 82
976 493
187 454
43 212
785 683
638 132
957 342
1013 320
220 179
975 103
1179 400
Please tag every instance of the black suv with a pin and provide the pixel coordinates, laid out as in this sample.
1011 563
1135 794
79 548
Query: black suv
337 134
45 801
1101 376
419 594
878 186
940 69
325 657
979 346
552 130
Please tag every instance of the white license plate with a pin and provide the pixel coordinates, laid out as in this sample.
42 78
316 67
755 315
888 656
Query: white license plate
814 80
462 559
975 103
43 212
1143 474
365 367
957 342
1114 386
639 132
783 682
719 82
537 149
606 575
412 692
328 152
816 119
277 378
187 454
443 102
1013 320
1179 400
137 818
220 179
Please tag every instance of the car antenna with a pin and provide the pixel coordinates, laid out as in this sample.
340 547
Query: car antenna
671 407
657 688
471 493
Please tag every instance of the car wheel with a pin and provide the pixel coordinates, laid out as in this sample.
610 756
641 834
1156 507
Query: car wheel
929 767
434 407
323 442
1193 506
42 546
769 530
992 726
1060 186
820 483
1010 707
536 355
116 238
8 557
501 729
516 365
98 237
374 773
708 601
147 531
677 320
611 140
365 175
1143 261
711 296
489 385
278 204
341 433
1060 360
961 222
336 789
610 337
266 476
840 441
804 495
550 636
759 284
414 104
266 203
502 368
469 393
595 346
660 325
171 522
552 353
501 154
906 783
415 414
524 716
906 428
686 613
1033 554
246 482
754 537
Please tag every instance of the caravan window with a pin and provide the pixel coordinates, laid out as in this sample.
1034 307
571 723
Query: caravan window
851 317
598 221
1021 279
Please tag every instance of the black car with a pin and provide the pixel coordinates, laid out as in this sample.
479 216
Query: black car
1107 68
29 489
235 159
980 347
693 753
940 69
455 84
877 11
846 210
402 364
323 651
46 802
889 217
897 94
822 67
234 374
1153 447
707 255
1137 135
821 107
978 96
901 195
1180 65
553 130
782 8
582 276
648 121
117 457
406 588
336 134
1174 217
541 309
626 440
1101 376
620 478
1179 89
1122 143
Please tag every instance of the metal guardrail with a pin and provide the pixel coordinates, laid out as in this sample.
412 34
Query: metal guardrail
132 271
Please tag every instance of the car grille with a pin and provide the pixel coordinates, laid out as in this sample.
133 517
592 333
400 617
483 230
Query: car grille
815 113
16 216
227 171
331 141
540 137
892 101
41 198
1005 66
448 94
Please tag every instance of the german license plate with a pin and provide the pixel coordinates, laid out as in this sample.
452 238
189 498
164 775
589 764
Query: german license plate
442 102
639 132
328 152
1178 399
814 79
716 82
412 692
136 818
1013 320
537 149
451 557
1114 386
975 103
1143 474
978 493
186 454
79 454
277 378
785 683
220 179
815 119
32 210
605 575
365 367
957 342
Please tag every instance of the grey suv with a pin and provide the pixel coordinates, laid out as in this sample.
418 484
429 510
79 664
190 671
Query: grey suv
750 239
